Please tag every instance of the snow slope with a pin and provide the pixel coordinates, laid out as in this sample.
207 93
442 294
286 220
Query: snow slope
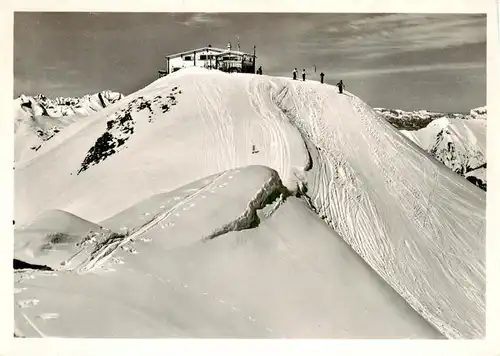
459 144
53 237
417 224
38 118
289 275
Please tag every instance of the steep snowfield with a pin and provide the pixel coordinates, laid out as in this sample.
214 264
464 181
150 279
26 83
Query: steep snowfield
459 144
38 119
416 223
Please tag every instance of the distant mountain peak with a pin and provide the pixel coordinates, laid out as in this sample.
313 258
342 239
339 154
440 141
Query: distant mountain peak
418 119
457 140
67 106
39 118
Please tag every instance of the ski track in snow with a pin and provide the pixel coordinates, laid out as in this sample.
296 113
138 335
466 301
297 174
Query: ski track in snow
340 199
33 325
219 128
337 193
271 126
100 256
231 308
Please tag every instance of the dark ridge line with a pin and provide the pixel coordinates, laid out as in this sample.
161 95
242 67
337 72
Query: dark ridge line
18 264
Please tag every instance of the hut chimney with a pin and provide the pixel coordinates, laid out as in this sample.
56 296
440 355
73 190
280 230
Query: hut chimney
229 46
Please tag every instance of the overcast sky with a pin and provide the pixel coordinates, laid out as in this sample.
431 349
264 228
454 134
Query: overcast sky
407 61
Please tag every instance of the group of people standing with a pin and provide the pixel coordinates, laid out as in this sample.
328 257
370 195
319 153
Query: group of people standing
339 85
303 74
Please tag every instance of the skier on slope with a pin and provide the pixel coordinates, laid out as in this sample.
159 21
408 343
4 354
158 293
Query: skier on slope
303 74
322 75
295 74
341 86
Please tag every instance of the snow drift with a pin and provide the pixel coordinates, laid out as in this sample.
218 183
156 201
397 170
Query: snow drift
418 225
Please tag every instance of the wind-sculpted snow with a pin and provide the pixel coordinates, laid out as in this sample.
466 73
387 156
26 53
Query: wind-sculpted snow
417 224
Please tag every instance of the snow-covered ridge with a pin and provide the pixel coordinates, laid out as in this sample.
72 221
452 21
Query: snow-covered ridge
286 275
457 143
418 119
457 140
479 113
40 105
38 119
418 225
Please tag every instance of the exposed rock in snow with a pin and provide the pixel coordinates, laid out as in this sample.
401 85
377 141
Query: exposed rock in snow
478 176
378 222
120 126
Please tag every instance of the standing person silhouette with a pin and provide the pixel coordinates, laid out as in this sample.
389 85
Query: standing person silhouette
295 74
341 86
322 75
303 74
